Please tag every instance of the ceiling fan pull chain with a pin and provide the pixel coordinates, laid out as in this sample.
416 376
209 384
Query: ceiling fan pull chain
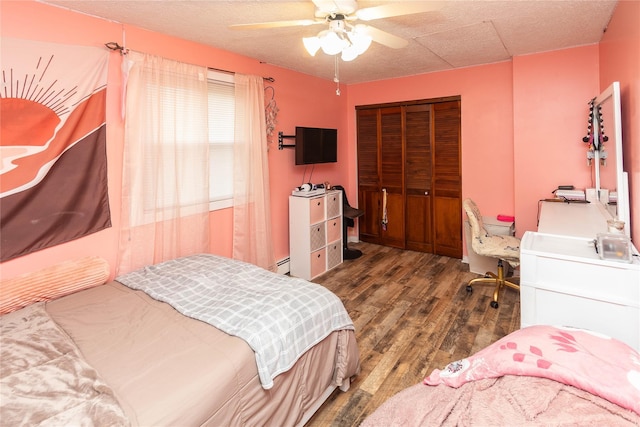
336 75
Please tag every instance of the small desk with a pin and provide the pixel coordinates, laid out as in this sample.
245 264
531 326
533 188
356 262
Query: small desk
573 219
564 282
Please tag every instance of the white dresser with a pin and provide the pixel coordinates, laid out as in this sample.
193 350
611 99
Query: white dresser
564 282
315 234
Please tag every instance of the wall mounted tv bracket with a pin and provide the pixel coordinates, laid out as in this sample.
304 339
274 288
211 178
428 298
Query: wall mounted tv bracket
281 137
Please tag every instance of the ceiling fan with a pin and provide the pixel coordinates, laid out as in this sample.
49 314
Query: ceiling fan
344 34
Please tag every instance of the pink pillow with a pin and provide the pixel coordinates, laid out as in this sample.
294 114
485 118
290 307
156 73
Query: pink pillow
593 362
52 282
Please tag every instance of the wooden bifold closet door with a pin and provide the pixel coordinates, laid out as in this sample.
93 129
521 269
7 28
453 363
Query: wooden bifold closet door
409 175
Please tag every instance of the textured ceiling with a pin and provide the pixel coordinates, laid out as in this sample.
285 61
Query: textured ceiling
458 33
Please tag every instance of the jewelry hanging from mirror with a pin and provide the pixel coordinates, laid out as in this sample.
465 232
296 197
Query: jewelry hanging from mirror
589 139
602 138
595 139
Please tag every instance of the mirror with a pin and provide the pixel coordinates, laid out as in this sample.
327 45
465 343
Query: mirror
609 174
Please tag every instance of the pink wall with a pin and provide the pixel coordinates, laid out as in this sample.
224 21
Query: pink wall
522 125
551 92
522 121
303 100
620 61
487 125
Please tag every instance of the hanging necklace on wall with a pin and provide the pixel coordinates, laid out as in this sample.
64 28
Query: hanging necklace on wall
595 139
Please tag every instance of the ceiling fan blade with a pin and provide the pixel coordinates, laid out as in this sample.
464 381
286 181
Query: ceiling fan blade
276 24
385 38
396 9
327 7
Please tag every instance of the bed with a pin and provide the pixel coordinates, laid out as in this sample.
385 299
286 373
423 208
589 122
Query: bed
539 375
141 350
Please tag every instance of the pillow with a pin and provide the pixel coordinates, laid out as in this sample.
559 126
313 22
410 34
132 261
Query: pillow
584 359
52 282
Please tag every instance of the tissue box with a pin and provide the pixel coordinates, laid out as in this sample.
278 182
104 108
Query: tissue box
614 246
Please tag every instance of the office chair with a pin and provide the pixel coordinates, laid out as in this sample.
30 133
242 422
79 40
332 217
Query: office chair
348 215
504 248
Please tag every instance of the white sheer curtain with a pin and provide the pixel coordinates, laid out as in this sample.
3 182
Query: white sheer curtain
251 201
165 194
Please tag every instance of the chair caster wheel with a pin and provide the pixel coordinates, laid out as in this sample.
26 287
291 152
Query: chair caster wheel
469 288
494 304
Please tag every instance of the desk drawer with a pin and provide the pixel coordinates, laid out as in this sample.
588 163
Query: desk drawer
585 279
553 308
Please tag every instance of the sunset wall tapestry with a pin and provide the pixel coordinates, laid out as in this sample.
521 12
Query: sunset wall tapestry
53 170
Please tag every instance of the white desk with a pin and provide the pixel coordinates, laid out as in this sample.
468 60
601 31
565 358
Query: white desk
573 219
563 281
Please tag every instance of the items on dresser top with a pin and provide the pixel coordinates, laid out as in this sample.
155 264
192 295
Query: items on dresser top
614 247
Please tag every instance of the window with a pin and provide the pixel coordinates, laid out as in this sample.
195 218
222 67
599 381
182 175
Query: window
221 137
180 117
172 129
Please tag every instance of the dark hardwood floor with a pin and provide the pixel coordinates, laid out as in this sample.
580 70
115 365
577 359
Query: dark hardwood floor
412 314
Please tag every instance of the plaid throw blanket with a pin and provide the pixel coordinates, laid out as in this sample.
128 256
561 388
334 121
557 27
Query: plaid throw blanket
278 316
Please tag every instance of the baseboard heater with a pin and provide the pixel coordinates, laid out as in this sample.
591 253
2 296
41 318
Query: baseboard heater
283 266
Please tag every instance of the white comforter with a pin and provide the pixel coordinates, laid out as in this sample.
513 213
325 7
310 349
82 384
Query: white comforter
44 379
278 316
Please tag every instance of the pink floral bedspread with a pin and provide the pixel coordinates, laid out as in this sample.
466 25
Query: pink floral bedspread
600 365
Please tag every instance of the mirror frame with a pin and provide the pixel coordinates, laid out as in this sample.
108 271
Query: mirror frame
612 93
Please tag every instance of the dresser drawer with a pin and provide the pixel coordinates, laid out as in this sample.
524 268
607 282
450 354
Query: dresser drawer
334 229
334 255
555 308
316 210
318 262
585 279
317 236
333 204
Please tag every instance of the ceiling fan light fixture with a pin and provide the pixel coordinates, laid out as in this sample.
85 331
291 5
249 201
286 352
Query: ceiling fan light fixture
349 53
360 40
312 44
337 40
331 43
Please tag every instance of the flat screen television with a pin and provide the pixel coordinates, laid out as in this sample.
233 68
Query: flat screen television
316 145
